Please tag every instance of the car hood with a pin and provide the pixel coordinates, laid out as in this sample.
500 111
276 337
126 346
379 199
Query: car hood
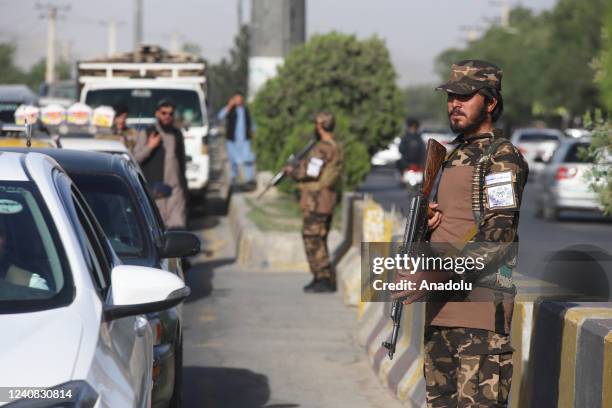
39 349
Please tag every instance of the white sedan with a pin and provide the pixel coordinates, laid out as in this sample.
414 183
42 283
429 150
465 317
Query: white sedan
73 326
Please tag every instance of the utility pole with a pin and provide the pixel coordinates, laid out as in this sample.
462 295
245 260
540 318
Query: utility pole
51 15
51 27
505 14
137 24
174 47
112 37
240 14
504 18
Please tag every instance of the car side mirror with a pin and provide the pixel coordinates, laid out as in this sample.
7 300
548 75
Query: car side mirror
177 244
137 290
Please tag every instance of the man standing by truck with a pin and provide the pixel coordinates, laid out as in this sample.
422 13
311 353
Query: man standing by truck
120 128
239 132
160 150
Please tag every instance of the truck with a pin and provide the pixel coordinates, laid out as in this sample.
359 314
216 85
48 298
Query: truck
139 80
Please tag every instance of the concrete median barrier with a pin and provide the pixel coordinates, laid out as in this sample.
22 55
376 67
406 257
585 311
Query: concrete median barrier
563 350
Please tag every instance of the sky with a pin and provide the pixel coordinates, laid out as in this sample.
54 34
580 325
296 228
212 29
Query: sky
415 31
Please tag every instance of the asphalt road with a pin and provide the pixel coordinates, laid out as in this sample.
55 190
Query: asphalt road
253 339
539 239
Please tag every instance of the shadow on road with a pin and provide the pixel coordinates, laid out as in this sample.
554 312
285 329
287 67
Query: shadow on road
218 387
200 276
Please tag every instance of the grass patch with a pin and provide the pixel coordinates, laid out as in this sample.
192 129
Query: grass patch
281 214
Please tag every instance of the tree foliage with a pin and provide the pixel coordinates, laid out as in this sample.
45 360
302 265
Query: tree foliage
230 74
601 145
351 78
34 77
426 105
546 58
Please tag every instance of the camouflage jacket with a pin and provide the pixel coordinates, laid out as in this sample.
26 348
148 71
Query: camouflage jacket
498 179
318 175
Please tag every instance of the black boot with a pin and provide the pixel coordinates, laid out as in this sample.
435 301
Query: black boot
323 286
309 287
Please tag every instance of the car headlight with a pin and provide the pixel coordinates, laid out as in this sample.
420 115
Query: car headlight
73 394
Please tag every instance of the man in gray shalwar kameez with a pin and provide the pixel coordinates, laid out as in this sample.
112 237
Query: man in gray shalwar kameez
160 150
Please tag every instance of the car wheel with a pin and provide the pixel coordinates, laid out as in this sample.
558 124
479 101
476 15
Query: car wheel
550 213
177 393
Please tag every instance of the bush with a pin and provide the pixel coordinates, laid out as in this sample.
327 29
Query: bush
351 78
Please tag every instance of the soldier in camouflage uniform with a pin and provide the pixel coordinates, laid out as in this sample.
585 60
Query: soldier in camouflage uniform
318 175
468 356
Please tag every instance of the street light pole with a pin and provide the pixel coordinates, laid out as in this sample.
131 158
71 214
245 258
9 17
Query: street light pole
51 29
137 24
112 37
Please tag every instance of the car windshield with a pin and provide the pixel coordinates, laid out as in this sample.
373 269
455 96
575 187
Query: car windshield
538 137
34 270
109 198
141 103
7 111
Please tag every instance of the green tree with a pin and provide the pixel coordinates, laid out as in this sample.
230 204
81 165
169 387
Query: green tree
9 72
230 74
425 104
547 61
351 78
601 145
36 75
604 63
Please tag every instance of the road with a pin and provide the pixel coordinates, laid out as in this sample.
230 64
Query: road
539 239
253 339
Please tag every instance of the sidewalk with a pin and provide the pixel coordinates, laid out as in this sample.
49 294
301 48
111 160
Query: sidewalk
254 339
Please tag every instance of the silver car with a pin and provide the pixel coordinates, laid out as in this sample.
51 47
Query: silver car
563 184
537 142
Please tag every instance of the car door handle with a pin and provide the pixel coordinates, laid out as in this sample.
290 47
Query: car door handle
140 326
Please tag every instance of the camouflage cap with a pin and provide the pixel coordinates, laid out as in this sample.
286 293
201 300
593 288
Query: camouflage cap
470 76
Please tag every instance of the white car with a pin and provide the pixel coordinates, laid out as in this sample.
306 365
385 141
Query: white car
538 143
73 326
563 184
389 155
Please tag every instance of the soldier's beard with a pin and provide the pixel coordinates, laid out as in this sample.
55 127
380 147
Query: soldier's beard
471 126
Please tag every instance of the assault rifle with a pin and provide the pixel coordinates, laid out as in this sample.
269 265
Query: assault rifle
292 161
416 228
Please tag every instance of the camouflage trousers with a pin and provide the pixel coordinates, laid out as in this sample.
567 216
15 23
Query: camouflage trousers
467 367
314 233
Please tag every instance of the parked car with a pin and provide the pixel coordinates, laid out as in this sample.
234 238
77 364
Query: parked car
11 96
387 156
562 185
63 93
116 191
72 315
443 136
537 142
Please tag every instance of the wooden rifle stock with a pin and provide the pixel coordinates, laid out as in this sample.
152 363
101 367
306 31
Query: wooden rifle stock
436 153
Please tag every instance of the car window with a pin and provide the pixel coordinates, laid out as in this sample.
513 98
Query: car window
538 137
114 207
34 269
100 258
575 154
